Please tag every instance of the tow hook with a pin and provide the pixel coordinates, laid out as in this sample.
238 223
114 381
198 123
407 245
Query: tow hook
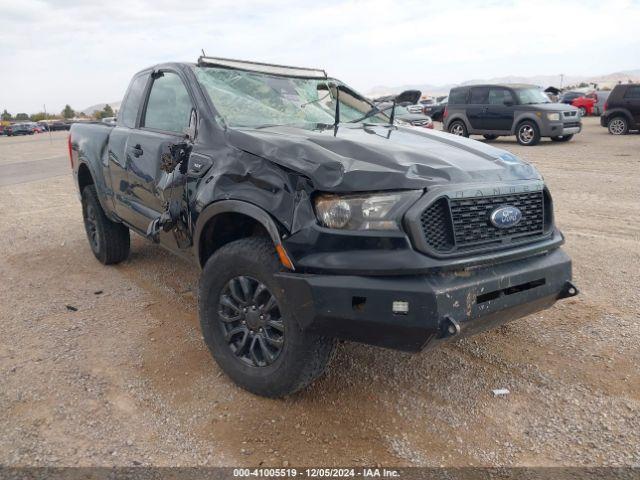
569 290
449 327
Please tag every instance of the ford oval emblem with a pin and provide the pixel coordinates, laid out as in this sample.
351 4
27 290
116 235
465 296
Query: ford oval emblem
506 217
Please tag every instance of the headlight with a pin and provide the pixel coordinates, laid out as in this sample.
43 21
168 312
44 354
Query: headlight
554 117
378 211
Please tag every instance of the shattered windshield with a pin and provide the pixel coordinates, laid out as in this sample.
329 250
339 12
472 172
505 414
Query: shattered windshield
248 99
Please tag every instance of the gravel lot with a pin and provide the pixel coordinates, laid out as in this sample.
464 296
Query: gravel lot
106 365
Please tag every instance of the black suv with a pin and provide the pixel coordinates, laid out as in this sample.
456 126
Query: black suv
622 110
511 109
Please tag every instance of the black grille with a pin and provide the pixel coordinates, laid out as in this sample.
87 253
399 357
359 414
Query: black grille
436 225
463 224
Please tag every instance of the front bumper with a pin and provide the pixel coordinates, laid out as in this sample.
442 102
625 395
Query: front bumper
558 129
440 305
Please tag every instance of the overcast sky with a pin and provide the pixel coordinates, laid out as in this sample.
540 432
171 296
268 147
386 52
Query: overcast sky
84 52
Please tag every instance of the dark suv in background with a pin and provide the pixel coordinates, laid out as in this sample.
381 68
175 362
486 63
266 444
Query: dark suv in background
622 110
510 109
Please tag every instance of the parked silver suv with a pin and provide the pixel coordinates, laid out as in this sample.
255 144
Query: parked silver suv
509 109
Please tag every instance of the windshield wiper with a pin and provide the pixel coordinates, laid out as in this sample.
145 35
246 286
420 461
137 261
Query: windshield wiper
336 119
393 112
374 111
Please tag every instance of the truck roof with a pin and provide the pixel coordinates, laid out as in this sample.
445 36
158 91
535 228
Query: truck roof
270 68
247 66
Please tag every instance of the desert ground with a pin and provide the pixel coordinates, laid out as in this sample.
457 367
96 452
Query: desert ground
106 365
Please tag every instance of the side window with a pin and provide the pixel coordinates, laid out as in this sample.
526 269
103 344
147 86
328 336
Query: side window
479 95
129 110
499 96
458 96
632 92
169 106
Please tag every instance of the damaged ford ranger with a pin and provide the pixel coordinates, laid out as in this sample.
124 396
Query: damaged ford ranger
315 216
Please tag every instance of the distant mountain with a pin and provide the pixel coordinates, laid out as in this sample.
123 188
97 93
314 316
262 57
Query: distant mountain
608 80
99 106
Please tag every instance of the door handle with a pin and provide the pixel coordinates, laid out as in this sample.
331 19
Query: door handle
137 151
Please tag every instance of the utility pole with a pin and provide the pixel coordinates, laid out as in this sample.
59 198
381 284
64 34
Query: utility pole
44 107
561 80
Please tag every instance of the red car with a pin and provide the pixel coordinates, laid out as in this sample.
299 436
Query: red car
585 104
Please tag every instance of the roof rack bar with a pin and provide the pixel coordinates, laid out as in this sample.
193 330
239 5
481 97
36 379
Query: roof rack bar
269 68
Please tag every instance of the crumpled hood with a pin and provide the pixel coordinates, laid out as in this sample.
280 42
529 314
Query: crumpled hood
379 158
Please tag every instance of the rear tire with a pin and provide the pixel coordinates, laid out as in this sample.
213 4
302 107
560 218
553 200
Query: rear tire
618 126
261 349
528 133
109 241
562 138
457 127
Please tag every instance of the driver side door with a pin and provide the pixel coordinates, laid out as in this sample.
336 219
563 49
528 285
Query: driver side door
165 118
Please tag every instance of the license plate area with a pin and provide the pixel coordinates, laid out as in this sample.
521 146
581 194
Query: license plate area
494 295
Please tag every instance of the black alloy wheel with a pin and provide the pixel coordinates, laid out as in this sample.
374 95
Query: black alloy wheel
248 324
251 321
90 224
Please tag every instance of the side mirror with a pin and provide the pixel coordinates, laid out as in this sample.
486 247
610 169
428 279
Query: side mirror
190 131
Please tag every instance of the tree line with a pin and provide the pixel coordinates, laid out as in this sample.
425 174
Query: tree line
66 113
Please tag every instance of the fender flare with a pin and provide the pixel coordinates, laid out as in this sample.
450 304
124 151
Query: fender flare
234 206
619 112
98 182
457 116
524 118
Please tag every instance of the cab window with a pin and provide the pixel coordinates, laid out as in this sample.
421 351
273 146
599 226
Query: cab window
169 105
458 97
632 92
129 110
478 95
500 96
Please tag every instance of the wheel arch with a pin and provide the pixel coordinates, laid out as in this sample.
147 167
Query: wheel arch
527 117
243 215
619 112
457 117
85 177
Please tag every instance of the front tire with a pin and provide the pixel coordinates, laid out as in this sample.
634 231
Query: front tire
247 325
562 138
457 127
109 241
618 126
528 133
583 111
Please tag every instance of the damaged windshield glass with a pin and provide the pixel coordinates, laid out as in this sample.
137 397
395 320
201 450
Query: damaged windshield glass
249 99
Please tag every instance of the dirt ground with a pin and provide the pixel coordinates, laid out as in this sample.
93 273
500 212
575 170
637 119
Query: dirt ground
126 379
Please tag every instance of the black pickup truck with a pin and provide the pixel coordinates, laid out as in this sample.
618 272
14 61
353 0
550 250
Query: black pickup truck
314 216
